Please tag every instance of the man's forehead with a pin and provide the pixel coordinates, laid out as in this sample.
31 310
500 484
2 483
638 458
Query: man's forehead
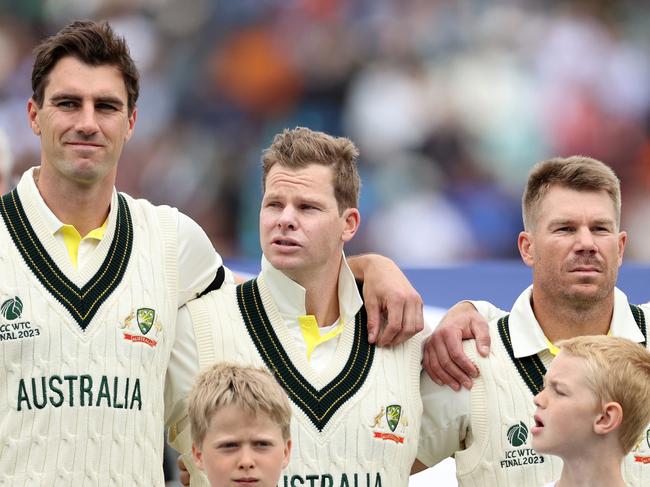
73 75
562 200
313 174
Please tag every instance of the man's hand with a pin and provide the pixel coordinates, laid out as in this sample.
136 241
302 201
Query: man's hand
444 358
389 299
183 474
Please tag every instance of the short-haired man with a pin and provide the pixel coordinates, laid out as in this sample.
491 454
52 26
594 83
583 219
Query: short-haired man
573 243
91 283
356 408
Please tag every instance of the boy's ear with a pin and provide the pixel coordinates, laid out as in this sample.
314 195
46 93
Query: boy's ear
287 453
197 455
610 418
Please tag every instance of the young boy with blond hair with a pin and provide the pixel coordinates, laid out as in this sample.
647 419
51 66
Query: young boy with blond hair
240 421
593 408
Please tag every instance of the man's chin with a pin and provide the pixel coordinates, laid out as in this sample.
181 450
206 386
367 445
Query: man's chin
587 294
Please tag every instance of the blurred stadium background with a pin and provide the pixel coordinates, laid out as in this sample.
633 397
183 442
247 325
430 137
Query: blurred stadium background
450 102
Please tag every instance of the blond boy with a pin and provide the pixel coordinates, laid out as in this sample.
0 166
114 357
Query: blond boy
240 420
593 408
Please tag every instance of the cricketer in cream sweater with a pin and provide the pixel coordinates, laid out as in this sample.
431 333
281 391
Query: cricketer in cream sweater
573 243
85 343
488 428
356 408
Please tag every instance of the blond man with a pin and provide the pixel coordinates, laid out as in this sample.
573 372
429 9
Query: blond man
240 419
593 408
573 243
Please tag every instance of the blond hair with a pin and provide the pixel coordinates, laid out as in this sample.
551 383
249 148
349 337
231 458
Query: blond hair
251 389
579 173
298 148
618 370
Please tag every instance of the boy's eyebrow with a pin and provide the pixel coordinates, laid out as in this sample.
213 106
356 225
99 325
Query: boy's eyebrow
555 383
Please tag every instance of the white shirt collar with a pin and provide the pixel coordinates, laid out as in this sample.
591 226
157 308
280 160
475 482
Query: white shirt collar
527 335
289 296
27 187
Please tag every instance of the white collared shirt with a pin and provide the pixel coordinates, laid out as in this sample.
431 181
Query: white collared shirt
289 297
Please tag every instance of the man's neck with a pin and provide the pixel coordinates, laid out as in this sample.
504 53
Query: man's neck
84 207
322 295
561 321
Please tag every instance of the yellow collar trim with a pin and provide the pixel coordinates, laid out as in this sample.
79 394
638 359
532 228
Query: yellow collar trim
72 239
555 350
311 333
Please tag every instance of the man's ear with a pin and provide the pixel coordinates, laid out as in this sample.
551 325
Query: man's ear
622 240
32 116
526 248
131 121
610 418
352 219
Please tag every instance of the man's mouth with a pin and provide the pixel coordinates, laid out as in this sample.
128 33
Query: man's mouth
285 242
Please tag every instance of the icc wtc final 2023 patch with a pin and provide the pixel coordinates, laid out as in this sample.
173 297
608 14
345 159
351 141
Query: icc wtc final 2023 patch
12 327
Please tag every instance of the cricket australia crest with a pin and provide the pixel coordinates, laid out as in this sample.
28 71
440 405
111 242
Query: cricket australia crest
388 422
146 319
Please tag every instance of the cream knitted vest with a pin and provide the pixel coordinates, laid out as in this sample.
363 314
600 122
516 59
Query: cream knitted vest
84 354
499 451
355 425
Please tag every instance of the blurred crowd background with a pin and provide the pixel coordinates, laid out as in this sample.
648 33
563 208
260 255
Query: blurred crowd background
450 102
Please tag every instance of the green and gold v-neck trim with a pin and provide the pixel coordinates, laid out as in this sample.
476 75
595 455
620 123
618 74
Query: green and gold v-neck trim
82 303
531 368
318 405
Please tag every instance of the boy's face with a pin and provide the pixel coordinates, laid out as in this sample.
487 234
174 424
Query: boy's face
242 450
566 408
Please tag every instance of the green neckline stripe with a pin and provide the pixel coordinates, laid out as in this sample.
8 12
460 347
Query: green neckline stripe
531 368
82 303
639 317
318 405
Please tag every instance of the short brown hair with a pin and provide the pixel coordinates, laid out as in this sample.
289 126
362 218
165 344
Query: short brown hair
618 370
251 389
95 44
576 172
300 147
